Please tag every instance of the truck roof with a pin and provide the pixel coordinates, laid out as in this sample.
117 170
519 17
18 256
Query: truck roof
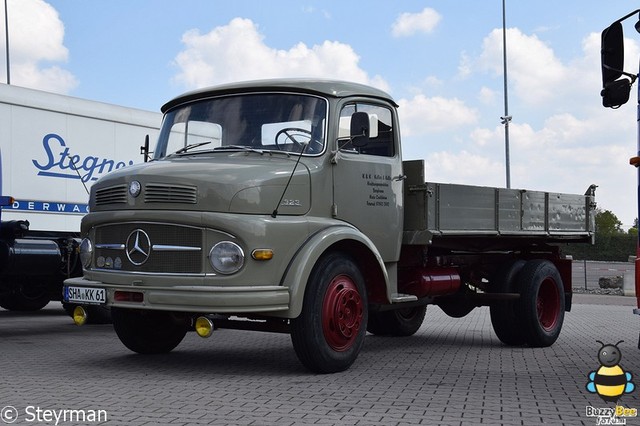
328 88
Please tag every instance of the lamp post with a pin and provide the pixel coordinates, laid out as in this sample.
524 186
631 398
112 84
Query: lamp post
506 118
6 38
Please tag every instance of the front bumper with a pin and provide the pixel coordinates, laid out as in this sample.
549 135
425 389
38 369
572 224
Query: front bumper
197 299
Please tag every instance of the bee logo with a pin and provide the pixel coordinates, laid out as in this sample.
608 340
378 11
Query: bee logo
610 381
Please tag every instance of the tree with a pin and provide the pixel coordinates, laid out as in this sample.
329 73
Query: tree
608 223
634 230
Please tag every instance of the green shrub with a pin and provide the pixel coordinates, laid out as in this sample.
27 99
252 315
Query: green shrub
608 247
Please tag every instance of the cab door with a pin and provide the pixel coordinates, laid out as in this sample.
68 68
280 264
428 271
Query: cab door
368 179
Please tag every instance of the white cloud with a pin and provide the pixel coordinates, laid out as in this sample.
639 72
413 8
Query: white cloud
408 24
463 167
36 36
533 69
421 115
465 66
539 78
487 96
237 52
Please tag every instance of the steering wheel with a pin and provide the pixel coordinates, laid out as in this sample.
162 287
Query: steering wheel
290 133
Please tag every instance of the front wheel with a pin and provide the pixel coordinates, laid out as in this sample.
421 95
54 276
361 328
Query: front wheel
329 333
148 332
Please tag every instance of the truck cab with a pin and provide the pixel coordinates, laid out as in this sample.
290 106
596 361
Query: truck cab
280 206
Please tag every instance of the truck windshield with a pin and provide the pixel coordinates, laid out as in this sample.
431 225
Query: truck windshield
292 123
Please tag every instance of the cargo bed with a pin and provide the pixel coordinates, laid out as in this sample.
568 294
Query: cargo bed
441 214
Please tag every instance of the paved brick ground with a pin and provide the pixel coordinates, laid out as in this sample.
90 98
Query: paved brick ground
452 372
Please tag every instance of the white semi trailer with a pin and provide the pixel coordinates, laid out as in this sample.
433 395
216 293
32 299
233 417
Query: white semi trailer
54 147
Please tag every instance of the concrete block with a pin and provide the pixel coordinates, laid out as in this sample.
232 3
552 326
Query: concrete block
629 284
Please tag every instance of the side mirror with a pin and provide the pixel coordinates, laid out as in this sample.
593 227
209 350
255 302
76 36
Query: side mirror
144 149
612 53
359 130
615 93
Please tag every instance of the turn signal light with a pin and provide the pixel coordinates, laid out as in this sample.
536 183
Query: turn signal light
262 254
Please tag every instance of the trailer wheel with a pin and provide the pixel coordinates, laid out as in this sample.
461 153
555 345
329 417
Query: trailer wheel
542 302
17 299
399 322
504 314
329 333
148 332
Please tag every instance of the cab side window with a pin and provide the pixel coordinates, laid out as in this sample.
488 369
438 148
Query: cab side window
381 140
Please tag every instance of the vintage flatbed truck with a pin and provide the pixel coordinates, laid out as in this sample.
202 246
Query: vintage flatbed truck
284 205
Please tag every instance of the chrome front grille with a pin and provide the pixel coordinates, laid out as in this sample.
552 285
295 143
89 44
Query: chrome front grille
153 193
149 248
112 195
164 193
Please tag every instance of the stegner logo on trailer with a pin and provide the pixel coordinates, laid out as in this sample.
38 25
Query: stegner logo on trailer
35 414
610 382
60 163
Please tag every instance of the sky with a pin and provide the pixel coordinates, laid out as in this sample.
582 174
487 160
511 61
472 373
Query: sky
441 60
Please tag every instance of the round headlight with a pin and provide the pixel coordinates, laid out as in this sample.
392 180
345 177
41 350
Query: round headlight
226 257
86 252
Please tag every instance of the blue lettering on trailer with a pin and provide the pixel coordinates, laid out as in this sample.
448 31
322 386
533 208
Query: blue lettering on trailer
60 163
49 207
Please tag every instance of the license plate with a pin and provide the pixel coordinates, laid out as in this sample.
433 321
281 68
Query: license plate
85 295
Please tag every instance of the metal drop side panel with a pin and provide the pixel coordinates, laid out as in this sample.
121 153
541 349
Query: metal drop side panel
438 209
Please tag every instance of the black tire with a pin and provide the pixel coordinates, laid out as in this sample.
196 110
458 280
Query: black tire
148 332
505 315
329 333
457 308
541 302
21 300
399 322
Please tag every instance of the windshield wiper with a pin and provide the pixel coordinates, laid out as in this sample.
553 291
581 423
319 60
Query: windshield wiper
191 146
240 147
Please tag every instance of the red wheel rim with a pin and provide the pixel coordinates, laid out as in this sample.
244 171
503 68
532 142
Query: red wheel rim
548 304
342 312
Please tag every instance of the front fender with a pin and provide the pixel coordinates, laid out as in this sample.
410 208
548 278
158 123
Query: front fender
299 269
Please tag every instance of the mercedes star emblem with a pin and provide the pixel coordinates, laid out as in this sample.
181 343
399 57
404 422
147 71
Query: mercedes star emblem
138 247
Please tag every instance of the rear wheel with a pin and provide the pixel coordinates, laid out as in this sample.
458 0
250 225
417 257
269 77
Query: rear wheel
329 333
505 317
399 322
542 303
148 332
